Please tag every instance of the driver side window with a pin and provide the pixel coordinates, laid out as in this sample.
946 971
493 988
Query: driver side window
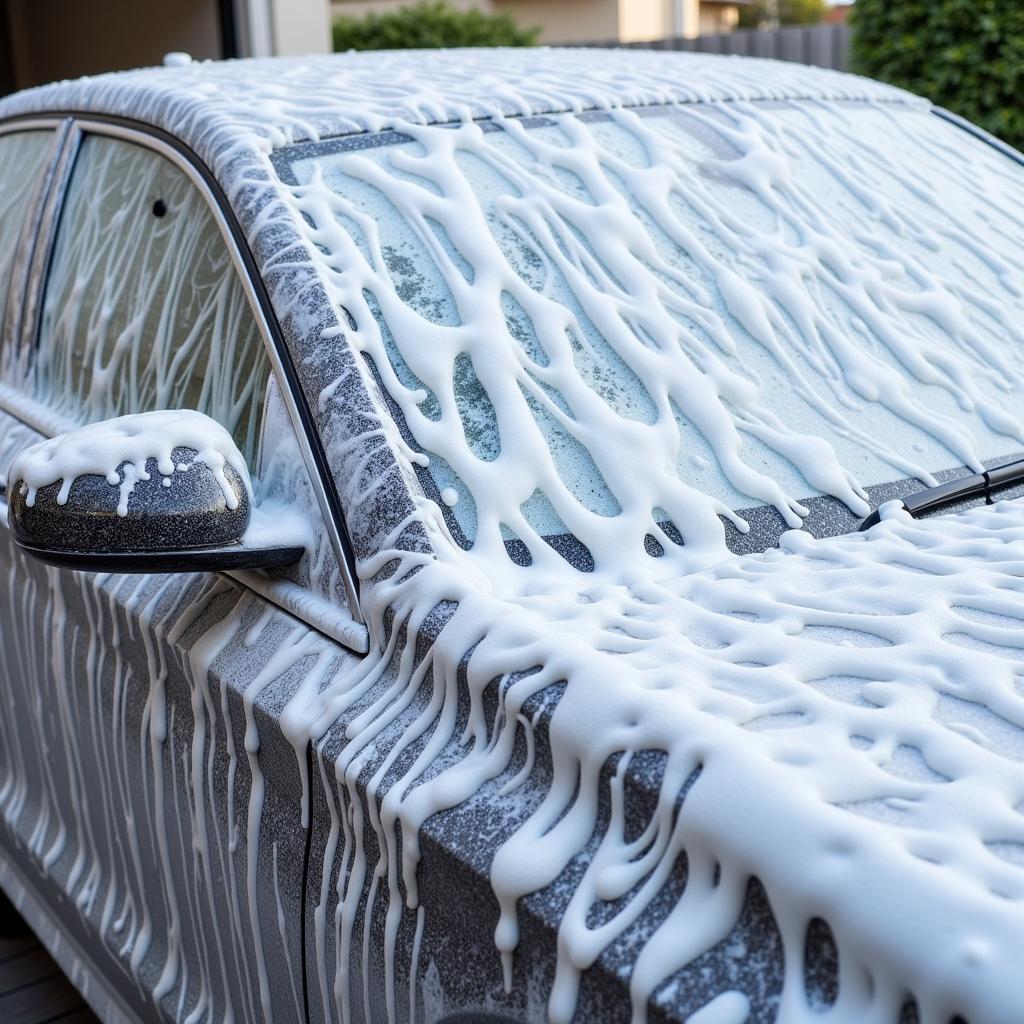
143 308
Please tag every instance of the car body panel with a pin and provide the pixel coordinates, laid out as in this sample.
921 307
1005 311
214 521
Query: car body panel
460 686
128 785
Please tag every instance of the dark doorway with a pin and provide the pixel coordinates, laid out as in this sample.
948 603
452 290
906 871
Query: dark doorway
42 42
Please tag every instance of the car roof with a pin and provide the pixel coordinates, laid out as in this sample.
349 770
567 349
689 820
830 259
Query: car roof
272 102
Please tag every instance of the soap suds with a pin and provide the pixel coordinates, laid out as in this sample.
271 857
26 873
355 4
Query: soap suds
920 904
730 669
119 449
715 292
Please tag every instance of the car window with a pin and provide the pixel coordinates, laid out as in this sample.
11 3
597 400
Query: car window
604 330
22 159
143 308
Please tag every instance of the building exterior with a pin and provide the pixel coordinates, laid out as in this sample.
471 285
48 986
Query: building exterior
838 14
574 21
41 42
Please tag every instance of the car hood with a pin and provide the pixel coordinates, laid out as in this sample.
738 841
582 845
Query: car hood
845 718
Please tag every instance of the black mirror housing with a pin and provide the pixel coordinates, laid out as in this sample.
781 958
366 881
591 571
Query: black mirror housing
184 508
166 513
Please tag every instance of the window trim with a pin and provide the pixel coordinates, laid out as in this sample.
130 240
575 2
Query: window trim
979 133
28 303
42 247
12 305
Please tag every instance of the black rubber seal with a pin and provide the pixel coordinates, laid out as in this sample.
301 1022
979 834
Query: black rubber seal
139 562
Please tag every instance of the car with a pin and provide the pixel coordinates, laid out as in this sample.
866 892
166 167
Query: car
513 535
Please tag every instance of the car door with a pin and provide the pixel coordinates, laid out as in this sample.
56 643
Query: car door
151 804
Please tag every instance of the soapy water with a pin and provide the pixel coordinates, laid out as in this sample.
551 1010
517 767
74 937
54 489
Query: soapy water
119 449
852 710
701 281
619 327
853 706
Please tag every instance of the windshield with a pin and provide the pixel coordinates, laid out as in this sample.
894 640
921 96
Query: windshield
607 336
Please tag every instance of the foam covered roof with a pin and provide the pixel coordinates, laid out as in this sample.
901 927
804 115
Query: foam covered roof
276 101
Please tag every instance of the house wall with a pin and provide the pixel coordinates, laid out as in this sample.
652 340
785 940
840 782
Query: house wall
565 21
716 18
642 19
357 8
575 21
68 38
300 27
628 21
568 21
44 41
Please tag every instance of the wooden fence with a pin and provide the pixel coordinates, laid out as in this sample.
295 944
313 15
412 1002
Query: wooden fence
827 46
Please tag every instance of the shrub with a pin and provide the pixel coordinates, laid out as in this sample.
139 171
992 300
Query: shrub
967 55
427 25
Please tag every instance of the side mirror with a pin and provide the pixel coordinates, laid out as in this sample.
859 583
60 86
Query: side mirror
156 492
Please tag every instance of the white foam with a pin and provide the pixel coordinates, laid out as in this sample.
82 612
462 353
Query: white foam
119 449
795 785
733 670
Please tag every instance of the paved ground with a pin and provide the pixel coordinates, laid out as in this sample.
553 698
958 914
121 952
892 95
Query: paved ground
32 988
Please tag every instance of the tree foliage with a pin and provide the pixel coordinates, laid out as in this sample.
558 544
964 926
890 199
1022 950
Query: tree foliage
426 25
967 55
789 12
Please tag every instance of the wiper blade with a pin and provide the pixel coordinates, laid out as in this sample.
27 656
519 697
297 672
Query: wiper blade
933 498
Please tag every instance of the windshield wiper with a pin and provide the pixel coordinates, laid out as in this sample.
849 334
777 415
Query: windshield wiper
973 486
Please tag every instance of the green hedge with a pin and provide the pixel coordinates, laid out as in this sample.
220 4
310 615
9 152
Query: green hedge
428 25
966 55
